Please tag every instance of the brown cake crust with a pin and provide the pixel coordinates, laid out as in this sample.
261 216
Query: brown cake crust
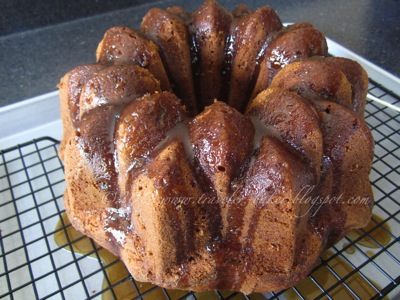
291 44
172 36
357 77
215 149
70 88
211 24
349 146
115 85
125 45
253 29
212 143
314 80
292 120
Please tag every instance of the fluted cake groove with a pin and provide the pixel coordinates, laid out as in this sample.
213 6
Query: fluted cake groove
215 149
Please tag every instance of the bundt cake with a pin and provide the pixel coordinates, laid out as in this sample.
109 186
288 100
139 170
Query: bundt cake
216 149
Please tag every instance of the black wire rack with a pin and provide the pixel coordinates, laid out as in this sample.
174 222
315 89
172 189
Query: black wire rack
43 257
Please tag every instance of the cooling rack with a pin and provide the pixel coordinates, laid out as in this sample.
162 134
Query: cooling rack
43 257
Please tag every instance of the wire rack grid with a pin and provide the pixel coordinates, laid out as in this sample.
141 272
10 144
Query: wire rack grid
43 257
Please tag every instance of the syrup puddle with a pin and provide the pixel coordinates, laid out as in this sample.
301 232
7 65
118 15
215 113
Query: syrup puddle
115 270
378 237
326 279
357 283
71 239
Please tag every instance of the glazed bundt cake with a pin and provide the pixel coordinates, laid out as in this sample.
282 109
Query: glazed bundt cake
216 149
